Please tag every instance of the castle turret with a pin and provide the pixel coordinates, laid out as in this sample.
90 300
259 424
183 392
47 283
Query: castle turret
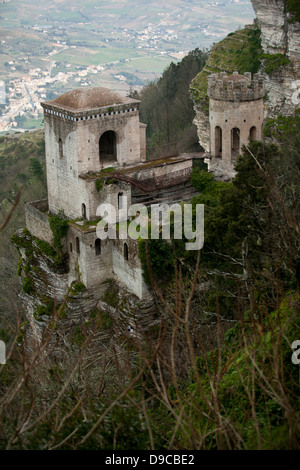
236 112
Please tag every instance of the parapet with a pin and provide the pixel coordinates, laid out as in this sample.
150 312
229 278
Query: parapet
235 87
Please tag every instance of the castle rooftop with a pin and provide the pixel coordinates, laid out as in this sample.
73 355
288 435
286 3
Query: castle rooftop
82 99
235 87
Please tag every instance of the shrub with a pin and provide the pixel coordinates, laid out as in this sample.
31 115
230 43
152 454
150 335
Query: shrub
76 288
45 248
27 285
45 309
273 62
99 185
59 226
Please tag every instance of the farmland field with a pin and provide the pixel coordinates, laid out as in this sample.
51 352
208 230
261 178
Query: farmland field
64 44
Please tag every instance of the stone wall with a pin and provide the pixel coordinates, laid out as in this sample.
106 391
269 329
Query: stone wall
126 125
93 268
37 221
86 264
164 171
227 115
143 141
72 149
128 271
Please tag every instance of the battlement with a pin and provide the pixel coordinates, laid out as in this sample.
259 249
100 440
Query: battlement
235 87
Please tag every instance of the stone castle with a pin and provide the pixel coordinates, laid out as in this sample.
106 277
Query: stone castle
95 135
236 112
88 131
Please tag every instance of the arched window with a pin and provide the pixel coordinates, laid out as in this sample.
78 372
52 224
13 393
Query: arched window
60 147
235 142
108 148
120 201
77 245
83 211
126 251
98 247
253 133
218 140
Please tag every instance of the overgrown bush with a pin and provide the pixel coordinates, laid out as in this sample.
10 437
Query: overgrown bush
27 285
59 227
273 62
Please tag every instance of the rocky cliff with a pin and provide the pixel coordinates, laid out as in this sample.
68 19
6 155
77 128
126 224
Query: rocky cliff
270 46
107 310
280 36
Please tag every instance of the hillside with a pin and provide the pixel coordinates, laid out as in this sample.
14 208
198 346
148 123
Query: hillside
61 45
22 168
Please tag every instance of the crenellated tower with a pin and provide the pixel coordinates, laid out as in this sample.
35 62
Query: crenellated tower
236 112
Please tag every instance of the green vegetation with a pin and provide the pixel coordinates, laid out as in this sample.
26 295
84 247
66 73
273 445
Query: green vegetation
239 51
218 375
27 285
46 248
99 185
59 226
283 128
158 250
76 288
105 320
110 296
273 62
244 354
36 168
34 248
47 309
293 6
167 110
15 153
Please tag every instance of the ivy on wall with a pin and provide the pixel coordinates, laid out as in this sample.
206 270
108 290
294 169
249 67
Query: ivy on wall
59 227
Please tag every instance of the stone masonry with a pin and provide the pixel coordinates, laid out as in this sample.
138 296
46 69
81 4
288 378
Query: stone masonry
87 131
236 113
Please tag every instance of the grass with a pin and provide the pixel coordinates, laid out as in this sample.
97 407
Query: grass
239 51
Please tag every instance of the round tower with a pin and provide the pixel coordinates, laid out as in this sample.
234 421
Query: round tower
236 112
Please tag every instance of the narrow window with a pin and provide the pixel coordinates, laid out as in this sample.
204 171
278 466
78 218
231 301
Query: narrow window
77 245
98 247
235 142
108 148
120 201
253 133
83 211
60 146
218 141
71 247
126 251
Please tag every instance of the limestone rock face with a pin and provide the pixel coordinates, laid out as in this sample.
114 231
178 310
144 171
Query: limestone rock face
280 35
202 123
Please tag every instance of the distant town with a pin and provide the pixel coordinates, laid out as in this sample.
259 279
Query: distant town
42 58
